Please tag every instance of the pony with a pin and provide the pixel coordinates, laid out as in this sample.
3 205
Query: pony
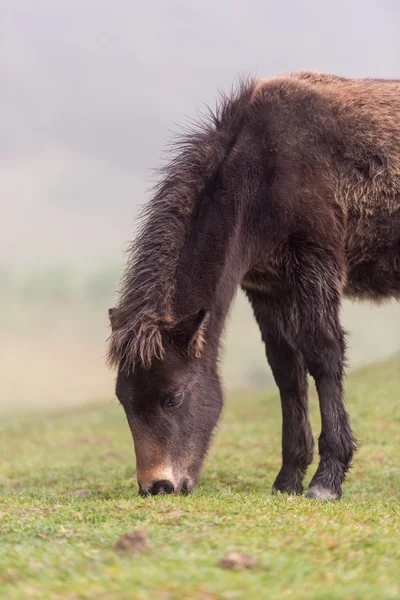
291 191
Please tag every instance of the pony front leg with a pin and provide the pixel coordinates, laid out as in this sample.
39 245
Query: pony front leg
323 347
275 318
297 440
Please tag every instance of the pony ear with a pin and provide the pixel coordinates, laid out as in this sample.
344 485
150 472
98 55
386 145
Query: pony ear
188 334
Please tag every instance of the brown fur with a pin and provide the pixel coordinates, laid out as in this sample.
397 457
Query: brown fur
292 190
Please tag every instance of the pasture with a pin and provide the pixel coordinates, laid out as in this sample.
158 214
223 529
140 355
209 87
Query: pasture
67 494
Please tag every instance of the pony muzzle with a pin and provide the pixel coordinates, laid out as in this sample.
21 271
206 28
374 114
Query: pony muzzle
162 481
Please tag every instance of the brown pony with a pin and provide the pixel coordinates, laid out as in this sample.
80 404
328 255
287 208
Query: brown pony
292 191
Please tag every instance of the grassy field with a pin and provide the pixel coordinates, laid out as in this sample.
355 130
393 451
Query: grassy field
67 494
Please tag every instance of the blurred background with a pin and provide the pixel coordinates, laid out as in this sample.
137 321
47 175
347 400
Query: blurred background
89 93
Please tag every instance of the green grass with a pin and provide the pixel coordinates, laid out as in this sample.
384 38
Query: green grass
55 544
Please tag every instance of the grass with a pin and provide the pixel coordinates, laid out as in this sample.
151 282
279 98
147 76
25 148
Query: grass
67 494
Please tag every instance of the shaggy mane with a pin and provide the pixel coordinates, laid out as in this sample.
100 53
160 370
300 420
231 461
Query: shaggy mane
145 305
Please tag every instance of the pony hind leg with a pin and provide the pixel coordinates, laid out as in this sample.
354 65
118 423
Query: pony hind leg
276 322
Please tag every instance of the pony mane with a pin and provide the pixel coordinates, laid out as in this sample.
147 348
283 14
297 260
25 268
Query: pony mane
145 305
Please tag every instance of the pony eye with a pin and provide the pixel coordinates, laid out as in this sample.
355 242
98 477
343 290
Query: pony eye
174 401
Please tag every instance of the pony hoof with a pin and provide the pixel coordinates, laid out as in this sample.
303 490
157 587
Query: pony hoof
317 492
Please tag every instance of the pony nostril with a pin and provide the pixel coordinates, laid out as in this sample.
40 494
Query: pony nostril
162 487
186 488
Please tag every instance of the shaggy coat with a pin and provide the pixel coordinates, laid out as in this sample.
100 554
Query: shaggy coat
291 191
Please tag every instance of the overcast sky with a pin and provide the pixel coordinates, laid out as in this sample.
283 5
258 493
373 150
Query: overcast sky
90 88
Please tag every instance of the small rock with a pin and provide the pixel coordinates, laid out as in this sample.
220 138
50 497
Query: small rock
237 560
134 542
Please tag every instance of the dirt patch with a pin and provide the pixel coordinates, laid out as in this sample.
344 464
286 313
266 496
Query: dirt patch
237 560
135 542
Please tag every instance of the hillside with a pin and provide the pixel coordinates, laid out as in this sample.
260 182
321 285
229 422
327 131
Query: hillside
56 326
